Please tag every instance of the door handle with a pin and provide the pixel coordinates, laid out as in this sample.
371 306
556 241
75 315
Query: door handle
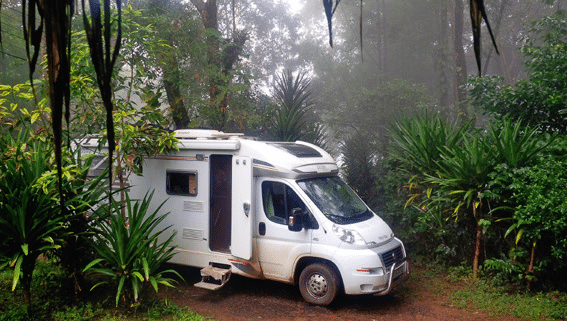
246 207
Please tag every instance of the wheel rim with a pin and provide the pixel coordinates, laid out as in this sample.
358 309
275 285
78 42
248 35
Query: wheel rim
317 285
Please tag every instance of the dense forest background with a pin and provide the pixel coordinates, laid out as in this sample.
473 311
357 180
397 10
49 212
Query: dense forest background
466 169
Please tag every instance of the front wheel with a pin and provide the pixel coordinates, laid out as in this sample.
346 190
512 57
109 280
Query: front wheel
319 284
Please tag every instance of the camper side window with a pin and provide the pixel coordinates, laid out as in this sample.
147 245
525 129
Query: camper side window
181 183
279 200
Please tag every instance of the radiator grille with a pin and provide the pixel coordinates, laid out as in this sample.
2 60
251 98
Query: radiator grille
393 256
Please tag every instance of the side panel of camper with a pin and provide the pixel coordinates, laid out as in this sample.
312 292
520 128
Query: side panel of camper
183 182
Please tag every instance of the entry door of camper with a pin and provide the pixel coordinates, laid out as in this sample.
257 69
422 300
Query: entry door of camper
231 201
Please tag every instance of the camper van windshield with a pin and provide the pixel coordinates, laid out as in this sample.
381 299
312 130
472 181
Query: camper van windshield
336 200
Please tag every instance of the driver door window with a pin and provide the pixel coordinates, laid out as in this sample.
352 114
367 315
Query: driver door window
279 200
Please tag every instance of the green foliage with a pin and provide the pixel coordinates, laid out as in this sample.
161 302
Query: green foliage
471 178
421 145
294 117
497 301
517 145
418 142
16 112
463 173
294 113
539 100
508 270
30 221
388 200
129 251
53 300
539 216
138 136
82 195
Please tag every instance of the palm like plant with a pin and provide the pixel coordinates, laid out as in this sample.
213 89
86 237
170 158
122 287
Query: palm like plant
418 143
30 220
129 250
294 99
461 183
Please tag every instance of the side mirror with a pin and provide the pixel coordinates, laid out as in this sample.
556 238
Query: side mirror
296 220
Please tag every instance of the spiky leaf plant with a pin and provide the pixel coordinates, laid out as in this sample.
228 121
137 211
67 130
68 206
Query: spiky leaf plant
31 222
129 250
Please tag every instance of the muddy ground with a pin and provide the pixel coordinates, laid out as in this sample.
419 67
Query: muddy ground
248 299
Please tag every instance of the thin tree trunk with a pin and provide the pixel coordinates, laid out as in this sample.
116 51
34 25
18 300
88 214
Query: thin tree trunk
27 267
531 267
444 72
477 249
460 64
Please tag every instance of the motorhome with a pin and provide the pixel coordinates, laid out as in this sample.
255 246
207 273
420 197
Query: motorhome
269 210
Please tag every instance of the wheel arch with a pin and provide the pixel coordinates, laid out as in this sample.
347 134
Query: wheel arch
308 260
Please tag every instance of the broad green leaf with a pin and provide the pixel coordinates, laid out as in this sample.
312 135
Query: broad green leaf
94 262
17 272
138 275
120 286
146 268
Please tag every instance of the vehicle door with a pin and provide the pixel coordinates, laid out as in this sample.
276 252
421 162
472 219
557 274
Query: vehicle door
278 247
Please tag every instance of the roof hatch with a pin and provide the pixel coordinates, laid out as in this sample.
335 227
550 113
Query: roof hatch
298 150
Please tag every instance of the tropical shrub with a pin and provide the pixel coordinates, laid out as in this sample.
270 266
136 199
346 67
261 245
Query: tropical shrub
540 99
538 221
456 183
129 250
31 220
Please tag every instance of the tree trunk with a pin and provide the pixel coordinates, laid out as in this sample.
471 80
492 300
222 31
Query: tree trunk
208 11
175 100
443 58
460 65
27 267
531 267
477 249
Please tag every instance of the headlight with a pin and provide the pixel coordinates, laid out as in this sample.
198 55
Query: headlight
349 236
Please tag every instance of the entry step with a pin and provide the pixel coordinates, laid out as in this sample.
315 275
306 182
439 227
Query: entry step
213 278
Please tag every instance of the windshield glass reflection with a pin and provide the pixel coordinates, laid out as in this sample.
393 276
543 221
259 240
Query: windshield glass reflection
338 202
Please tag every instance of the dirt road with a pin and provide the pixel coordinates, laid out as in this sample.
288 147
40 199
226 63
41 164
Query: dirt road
248 299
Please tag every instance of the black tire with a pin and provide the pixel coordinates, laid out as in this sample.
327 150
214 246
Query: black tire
319 284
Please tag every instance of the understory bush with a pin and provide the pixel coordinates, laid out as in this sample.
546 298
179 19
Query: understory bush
129 250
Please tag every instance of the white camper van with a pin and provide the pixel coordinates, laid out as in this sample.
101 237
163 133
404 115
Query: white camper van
270 210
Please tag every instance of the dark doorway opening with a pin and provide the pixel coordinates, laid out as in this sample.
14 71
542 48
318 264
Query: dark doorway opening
221 202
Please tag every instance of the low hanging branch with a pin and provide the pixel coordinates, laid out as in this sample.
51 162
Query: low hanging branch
104 57
477 12
56 16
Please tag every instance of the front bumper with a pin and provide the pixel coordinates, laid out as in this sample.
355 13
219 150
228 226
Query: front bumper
368 272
